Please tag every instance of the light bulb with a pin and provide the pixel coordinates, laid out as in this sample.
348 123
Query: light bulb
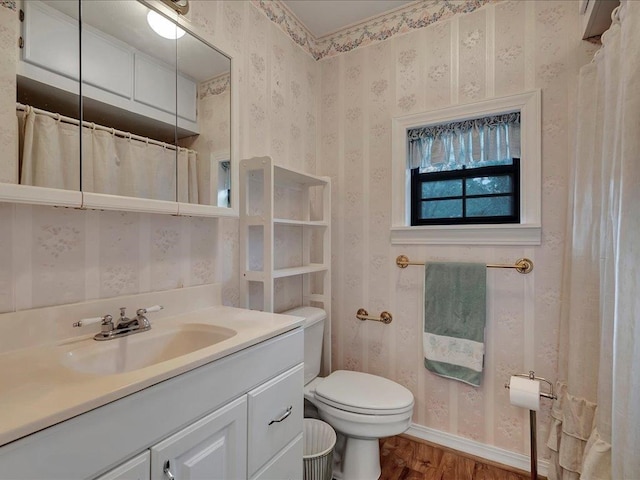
163 27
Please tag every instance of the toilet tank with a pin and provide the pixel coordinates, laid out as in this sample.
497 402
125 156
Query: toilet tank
313 335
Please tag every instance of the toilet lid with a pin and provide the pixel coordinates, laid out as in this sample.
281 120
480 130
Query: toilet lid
364 393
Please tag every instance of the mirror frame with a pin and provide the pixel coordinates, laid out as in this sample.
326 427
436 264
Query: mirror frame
33 195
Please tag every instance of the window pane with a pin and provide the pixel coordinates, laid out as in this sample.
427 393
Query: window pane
484 185
444 188
441 209
489 207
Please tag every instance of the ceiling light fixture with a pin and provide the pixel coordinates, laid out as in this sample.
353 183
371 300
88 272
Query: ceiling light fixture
180 6
163 26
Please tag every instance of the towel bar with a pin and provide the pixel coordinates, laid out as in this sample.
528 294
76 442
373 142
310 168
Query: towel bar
385 317
523 265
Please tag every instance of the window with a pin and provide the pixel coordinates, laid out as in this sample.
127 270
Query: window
468 174
467 195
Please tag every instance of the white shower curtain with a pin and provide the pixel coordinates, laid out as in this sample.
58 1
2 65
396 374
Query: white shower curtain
123 166
595 430
50 152
111 163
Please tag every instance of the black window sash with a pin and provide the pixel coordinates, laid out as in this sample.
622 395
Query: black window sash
417 179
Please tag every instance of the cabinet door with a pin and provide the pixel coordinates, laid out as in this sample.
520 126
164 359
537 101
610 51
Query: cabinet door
155 83
211 448
51 40
135 469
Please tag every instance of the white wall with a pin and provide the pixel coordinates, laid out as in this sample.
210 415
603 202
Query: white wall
499 49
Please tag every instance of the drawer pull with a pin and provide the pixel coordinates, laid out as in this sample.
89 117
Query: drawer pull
167 471
283 416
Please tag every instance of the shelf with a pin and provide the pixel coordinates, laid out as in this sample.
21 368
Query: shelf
259 276
292 178
253 220
309 198
302 223
316 297
290 272
253 276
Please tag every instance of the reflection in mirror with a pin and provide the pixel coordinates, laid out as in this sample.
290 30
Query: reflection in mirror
210 149
150 82
129 88
155 105
48 96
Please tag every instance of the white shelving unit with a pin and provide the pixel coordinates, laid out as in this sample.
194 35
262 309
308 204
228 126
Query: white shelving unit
285 234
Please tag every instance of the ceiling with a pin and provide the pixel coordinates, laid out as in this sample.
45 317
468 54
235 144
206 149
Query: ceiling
324 17
126 21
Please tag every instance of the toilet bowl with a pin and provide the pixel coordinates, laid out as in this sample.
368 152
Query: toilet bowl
364 408
360 406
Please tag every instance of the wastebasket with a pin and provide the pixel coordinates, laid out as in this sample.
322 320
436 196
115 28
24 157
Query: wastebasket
319 440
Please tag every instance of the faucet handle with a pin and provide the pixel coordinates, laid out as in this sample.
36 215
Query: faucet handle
155 308
90 321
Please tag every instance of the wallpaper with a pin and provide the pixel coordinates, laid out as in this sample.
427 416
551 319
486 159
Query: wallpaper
496 50
8 124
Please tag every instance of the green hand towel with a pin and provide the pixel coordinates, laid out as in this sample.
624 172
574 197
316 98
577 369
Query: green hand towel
455 309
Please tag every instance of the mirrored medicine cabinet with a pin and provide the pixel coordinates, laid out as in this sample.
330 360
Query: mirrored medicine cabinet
120 105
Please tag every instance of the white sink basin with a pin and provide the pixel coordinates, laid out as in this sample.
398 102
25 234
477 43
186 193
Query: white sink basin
142 349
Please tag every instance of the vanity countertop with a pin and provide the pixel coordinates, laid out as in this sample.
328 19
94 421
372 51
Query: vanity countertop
38 390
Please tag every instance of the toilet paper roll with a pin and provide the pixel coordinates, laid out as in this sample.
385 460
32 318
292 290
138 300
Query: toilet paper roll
524 393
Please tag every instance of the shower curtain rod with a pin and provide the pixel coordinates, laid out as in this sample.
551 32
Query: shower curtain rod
112 131
523 265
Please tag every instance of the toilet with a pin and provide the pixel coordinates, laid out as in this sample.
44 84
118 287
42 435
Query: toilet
360 406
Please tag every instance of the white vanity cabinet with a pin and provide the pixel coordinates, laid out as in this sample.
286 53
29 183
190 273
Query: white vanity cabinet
286 465
138 468
214 447
223 420
274 422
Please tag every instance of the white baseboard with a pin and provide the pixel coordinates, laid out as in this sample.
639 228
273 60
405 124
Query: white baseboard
477 449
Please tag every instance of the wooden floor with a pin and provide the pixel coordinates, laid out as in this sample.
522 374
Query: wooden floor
406 458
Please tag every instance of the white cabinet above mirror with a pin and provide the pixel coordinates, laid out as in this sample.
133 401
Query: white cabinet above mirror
112 115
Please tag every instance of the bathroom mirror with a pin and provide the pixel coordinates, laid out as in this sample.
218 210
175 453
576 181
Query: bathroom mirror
48 101
155 106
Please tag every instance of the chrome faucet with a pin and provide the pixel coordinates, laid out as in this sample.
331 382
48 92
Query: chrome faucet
123 321
124 326
143 322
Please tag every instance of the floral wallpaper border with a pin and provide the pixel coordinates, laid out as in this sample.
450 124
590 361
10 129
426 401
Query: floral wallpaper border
280 14
10 4
416 15
215 86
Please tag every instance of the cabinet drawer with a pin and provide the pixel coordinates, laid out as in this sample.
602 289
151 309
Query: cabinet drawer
286 465
275 416
138 468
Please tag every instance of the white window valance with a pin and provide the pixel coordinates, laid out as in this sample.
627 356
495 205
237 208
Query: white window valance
472 143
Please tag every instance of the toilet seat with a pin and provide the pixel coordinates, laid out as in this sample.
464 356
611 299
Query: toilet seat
363 393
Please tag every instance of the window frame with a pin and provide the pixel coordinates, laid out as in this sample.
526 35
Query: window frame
527 232
512 170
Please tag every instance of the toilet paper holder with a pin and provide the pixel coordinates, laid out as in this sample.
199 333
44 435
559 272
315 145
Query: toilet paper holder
532 376
532 419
